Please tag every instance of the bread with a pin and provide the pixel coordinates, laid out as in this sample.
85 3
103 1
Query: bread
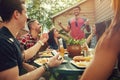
82 63
79 58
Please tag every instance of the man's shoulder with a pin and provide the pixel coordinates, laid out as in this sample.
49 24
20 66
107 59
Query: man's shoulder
71 19
5 38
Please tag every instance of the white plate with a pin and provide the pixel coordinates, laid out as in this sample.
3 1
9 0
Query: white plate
41 61
82 64
45 54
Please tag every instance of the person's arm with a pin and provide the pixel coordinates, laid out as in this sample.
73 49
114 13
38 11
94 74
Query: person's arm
66 29
29 53
104 60
87 26
12 73
89 38
92 34
34 75
28 67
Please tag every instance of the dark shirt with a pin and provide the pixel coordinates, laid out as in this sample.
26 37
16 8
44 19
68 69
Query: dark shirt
10 53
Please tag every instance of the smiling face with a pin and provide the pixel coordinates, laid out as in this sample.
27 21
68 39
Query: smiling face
76 11
36 26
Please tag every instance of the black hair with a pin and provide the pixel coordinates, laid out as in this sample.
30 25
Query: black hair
7 8
30 22
77 7
51 41
51 36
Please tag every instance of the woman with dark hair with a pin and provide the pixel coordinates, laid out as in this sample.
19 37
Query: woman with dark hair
53 42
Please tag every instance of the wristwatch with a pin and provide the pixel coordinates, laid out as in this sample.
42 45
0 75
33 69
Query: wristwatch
46 67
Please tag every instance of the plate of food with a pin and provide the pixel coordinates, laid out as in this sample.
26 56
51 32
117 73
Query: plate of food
82 58
81 64
81 61
41 61
45 54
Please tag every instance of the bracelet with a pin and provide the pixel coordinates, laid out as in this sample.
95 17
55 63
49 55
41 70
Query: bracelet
46 67
41 42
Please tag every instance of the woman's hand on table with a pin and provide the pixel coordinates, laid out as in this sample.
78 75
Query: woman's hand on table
55 61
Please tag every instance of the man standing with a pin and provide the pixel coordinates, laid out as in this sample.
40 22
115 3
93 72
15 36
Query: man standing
76 25
13 13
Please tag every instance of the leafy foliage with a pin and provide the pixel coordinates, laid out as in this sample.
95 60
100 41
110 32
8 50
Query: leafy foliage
72 41
42 10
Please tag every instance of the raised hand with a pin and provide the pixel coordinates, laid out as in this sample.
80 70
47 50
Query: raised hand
59 23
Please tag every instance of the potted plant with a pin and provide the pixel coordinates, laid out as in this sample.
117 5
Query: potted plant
74 47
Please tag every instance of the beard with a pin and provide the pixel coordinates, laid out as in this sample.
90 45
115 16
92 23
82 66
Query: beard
38 30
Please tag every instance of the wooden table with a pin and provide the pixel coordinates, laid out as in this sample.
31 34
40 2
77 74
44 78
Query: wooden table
66 69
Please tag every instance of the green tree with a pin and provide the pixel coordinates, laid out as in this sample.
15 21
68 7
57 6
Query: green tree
42 10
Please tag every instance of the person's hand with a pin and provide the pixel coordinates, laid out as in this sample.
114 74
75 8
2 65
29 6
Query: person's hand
59 23
44 37
87 22
93 30
55 61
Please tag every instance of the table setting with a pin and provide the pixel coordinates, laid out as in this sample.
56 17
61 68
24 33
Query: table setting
71 66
